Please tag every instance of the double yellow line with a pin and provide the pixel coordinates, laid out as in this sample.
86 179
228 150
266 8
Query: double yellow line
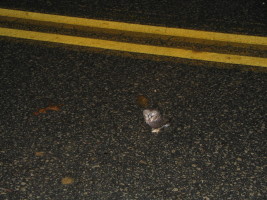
214 38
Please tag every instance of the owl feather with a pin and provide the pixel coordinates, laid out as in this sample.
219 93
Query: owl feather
154 119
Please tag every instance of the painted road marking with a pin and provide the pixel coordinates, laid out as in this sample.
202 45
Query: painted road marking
135 48
136 28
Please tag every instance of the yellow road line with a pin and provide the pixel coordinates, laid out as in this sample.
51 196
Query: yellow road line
145 29
136 48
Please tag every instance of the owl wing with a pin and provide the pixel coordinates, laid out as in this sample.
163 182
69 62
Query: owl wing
157 123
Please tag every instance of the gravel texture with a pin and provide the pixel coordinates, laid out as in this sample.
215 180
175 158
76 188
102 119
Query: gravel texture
97 146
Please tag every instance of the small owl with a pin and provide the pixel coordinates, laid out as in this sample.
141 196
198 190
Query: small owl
154 119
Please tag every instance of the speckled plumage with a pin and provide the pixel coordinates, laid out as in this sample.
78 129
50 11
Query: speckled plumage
154 119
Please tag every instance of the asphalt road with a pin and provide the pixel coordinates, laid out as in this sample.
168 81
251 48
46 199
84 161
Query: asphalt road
231 16
97 146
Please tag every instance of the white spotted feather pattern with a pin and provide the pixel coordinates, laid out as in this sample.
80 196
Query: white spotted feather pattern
154 119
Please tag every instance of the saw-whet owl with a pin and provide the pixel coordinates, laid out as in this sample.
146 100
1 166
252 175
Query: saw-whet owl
154 119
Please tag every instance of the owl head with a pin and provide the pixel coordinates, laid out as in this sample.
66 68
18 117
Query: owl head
151 115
